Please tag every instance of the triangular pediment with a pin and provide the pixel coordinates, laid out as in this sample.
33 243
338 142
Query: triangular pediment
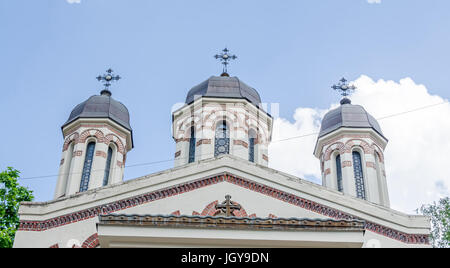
197 188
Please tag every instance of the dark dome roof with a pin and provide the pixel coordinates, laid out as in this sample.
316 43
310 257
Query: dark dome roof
224 87
101 106
348 115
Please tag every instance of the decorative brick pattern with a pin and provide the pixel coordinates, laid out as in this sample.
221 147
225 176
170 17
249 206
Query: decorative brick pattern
195 213
327 171
272 216
100 153
204 182
337 146
54 246
70 138
240 142
177 154
203 141
210 210
370 164
91 242
176 213
265 157
347 164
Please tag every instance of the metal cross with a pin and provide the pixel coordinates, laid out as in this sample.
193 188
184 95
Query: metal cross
108 78
344 88
225 58
227 206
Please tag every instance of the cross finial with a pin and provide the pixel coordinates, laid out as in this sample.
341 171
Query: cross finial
107 78
344 89
227 206
225 58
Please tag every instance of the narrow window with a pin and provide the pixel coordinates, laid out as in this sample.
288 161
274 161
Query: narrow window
87 167
251 145
192 142
339 173
222 142
359 177
108 166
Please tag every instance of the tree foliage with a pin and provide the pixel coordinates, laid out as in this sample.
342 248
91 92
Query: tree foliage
11 194
440 222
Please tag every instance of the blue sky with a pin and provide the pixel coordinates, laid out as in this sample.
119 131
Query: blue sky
291 51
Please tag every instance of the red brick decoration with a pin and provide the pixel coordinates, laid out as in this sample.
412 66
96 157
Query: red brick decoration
195 213
91 242
347 164
265 157
54 246
239 142
272 216
327 171
203 141
370 164
210 210
252 215
26 225
176 213
177 154
100 153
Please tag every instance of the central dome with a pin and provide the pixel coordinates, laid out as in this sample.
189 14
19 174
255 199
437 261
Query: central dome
224 87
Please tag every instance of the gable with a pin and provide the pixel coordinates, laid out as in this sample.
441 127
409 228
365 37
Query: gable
194 195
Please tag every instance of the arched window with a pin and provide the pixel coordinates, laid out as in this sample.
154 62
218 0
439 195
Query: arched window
359 176
339 173
192 142
87 167
222 143
108 166
251 145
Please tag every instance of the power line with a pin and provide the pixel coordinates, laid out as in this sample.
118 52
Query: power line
203 155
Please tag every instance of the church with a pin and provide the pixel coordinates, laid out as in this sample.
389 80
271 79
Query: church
220 192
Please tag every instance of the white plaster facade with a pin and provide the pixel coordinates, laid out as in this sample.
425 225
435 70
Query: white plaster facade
343 142
106 134
46 224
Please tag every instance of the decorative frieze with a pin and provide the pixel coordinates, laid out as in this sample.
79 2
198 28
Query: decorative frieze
112 207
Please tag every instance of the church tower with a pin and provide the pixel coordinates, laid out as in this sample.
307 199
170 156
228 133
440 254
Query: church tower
222 115
350 147
97 137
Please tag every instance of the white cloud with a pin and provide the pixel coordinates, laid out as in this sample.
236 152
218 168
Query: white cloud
374 1
73 1
416 157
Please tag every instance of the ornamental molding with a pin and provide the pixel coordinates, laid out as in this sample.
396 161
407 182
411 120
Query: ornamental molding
109 208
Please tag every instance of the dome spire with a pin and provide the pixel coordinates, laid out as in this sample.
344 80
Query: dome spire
345 90
225 58
107 78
